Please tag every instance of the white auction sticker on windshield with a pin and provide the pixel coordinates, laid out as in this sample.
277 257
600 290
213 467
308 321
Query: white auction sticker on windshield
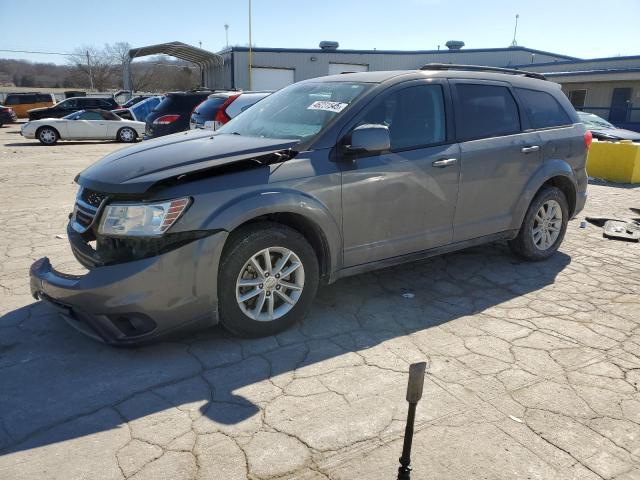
327 106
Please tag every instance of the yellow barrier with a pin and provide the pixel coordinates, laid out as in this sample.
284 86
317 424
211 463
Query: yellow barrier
617 162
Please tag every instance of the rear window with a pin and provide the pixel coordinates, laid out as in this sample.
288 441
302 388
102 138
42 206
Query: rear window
179 103
484 111
209 107
542 109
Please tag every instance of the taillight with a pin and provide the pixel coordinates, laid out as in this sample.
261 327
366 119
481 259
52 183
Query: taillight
166 119
221 114
588 138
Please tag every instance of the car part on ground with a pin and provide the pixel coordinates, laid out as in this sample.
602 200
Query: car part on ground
221 107
621 230
327 178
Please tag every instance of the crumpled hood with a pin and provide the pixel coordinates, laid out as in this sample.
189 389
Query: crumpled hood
615 134
135 169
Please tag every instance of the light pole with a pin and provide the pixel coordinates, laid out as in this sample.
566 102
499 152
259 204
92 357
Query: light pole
250 48
515 30
226 33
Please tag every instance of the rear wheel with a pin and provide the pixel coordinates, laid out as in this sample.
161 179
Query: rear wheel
544 226
127 135
267 280
47 135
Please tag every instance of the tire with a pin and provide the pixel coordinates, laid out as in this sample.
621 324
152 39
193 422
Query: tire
127 135
47 135
252 241
542 216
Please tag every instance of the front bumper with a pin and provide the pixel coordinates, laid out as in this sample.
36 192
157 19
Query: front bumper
134 302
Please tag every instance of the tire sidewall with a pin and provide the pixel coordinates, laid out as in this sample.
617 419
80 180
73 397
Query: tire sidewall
532 252
133 139
42 129
241 247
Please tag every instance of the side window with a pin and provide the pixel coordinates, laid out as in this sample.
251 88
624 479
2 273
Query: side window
89 103
69 104
90 116
415 116
484 111
105 104
542 109
12 100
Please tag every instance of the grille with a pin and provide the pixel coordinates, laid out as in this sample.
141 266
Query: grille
86 208
92 197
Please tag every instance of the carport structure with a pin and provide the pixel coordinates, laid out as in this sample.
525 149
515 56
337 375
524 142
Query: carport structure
206 60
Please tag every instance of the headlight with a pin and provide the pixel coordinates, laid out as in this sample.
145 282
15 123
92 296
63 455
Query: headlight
141 220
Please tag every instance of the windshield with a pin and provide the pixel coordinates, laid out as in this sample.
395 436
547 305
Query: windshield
594 121
297 112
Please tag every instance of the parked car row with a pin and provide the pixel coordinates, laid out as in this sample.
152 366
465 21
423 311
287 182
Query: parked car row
161 115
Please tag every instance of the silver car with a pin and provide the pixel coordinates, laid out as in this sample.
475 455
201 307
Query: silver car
323 179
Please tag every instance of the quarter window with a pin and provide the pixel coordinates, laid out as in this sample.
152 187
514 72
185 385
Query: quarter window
485 111
543 110
414 115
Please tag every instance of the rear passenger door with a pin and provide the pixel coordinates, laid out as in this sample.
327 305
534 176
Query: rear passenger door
498 157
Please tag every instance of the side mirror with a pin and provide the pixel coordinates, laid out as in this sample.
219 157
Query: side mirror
369 138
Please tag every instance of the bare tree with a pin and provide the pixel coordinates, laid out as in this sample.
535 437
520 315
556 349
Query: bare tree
97 64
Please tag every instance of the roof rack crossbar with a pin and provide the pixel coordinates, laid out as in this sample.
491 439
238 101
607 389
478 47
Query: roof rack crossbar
482 68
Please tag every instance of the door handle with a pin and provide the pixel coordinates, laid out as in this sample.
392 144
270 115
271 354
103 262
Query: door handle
532 148
444 162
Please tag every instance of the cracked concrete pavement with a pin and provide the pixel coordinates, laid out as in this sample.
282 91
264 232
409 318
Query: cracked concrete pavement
534 369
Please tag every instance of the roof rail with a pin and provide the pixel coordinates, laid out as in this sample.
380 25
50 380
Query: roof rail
482 68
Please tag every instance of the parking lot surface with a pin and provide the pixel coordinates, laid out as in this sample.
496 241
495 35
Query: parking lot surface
533 369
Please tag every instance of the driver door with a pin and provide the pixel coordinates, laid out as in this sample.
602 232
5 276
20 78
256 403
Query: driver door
403 200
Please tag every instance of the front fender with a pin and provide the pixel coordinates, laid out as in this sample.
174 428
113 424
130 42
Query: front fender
549 169
240 210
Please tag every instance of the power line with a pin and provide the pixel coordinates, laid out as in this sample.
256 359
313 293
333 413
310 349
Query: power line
40 53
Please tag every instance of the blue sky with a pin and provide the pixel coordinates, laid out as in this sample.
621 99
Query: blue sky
582 28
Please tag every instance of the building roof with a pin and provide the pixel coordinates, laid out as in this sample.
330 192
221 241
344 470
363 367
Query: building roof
203 58
394 52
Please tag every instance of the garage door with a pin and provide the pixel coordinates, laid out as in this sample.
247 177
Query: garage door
271 78
335 68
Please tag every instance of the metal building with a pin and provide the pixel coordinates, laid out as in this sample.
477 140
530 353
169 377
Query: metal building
274 68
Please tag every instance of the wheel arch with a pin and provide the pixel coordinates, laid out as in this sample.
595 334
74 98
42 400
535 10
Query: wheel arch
303 213
48 126
557 173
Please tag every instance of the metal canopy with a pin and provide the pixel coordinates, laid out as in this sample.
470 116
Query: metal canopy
180 50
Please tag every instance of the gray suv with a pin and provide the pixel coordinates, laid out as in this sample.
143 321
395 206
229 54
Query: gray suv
323 179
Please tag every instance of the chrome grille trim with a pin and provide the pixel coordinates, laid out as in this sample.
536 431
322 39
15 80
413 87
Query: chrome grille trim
84 214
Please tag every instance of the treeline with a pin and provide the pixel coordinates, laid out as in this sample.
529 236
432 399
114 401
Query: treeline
102 69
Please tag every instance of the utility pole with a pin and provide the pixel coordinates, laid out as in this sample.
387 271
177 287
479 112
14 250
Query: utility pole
226 33
250 49
515 30
90 71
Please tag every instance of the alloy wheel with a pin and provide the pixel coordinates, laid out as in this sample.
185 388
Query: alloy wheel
547 225
270 284
126 135
47 136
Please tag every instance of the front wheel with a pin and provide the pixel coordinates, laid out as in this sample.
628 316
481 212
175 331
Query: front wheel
267 279
127 135
48 136
543 227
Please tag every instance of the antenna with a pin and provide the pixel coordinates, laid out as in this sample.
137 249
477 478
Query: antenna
515 31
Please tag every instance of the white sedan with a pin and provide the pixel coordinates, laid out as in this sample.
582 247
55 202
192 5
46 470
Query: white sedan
84 125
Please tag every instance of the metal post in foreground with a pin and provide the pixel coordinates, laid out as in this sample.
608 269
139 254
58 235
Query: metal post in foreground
414 394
